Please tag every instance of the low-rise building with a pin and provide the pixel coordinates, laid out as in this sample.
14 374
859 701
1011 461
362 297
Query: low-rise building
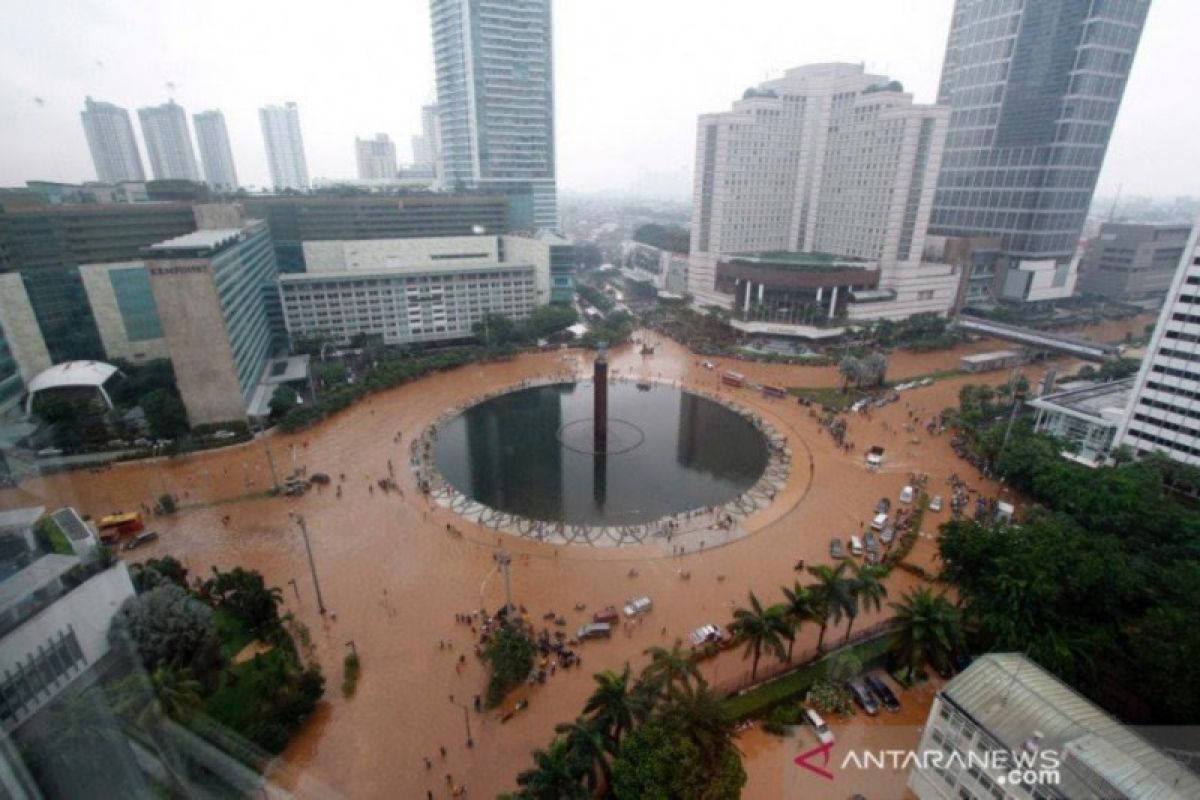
1134 263
1086 418
1006 728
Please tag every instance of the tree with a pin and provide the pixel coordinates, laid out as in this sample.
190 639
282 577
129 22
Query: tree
510 654
555 775
668 668
283 400
549 319
928 628
168 626
496 330
761 629
165 413
333 373
659 762
245 595
800 608
177 691
851 369
612 706
867 591
874 368
589 747
833 596
157 572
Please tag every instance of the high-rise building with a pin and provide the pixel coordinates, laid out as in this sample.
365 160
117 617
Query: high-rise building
495 91
425 146
1164 416
169 142
285 146
811 200
1034 88
1126 261
215 152
111 142
376 158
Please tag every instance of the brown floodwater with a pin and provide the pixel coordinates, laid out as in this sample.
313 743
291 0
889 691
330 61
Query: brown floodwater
393 578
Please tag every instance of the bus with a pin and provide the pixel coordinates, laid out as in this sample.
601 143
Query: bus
733 379
773 391
114 526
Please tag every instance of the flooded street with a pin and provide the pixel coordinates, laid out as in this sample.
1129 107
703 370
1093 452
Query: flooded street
393 578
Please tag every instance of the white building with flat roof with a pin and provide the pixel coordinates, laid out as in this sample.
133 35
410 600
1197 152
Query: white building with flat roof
169 142
111 142
826 159
1165 413
215 152
376 158
415 290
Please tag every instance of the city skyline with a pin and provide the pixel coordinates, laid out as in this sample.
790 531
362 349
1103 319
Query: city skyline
646 146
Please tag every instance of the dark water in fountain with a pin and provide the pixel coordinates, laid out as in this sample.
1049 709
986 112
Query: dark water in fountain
530 452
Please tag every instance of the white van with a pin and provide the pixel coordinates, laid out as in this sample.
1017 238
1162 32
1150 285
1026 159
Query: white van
824 735
856 546
879 522
906 494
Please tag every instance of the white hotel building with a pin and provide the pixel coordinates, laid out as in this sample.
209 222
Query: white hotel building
826 160
416 290
1165 413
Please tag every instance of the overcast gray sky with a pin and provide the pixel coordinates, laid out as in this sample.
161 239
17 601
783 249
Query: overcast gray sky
631 76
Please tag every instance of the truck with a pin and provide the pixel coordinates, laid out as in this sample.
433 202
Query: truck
875 458
736 379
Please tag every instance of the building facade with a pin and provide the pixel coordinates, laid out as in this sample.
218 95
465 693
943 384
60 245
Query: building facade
169 142
215 152
285 146
1164 415
1035 88
214 290
415 290
111 142
1133 263
829 160
425 147
376 157
1007 729
295 220
494 67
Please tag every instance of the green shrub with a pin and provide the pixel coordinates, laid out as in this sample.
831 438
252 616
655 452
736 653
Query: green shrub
830 698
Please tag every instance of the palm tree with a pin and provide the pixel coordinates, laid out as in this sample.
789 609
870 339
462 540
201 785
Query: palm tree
800 608
590 748
613 706
177 691
762 629
928 628
702 717
867 591
555 775
669 667
833 597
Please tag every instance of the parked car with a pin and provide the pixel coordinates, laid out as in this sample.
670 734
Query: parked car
888 533
870 542
49 452
638 605
883 506
881 691
936 503
835 548
705 634
224 434
863 697
906 494
856 547
141 539
606 614
708 365
824 735
879 521
594 630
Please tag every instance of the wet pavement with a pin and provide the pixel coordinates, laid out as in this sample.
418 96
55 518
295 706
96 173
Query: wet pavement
393 576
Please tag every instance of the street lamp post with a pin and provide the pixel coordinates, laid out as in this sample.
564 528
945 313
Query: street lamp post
466 719
311 564
504 561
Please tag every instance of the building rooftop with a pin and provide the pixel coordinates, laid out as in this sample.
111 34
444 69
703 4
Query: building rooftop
993 355
1013 699
787 259
200 240
35 577
19 520
72 373
71 524
1103 402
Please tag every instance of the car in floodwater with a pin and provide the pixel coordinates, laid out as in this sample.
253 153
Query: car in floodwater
594 630
836 550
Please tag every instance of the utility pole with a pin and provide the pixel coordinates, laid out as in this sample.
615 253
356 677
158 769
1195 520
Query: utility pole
466 719
311 564
504 561
270 461
1012 417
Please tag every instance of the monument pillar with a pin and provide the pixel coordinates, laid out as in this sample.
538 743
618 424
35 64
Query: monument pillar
600 401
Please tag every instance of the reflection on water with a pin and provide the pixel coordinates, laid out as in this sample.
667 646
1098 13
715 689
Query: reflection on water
507 453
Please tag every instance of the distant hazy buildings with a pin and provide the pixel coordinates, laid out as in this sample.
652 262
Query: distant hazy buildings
425 147
1163 416
169 142
111 142
495 91
1034 89
285 146
215 152
376 157
811 201
1132 262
